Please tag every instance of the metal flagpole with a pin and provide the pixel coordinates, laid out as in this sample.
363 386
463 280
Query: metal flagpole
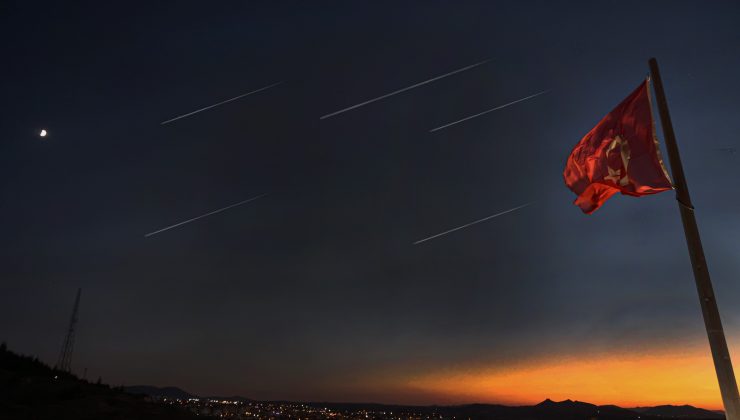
712 321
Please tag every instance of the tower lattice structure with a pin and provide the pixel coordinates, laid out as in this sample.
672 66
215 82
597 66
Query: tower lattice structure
65 356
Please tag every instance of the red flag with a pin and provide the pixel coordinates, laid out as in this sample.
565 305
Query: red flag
620 154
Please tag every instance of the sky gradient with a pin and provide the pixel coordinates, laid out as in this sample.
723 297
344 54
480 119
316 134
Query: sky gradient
316 291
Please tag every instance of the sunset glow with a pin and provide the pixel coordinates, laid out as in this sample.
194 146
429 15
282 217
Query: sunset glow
627 380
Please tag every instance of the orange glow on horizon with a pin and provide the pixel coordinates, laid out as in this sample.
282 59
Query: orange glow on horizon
625 379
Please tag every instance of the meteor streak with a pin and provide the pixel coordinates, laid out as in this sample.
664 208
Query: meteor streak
204 215
220 103
404 89
470 224
490 110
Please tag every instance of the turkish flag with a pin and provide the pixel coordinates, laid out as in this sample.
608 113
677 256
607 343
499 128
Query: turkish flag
620 154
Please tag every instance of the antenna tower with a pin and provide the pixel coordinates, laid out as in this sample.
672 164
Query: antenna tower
65 356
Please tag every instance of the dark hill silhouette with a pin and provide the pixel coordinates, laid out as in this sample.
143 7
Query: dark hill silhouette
546 410
679 411
551 410
29 389
231 398
175 392
578 409
154 391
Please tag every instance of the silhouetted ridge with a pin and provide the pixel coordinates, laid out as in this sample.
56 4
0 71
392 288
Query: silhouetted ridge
153 391
29 389
681 411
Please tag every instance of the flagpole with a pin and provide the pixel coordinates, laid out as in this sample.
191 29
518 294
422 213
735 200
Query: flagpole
712 321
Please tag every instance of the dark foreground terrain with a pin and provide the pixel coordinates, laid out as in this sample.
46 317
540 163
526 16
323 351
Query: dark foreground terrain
30 389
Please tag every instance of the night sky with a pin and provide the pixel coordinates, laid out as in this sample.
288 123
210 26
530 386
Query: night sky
316 291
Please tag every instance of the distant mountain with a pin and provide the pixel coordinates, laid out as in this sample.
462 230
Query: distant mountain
232 398
579 409
679 412
546 410
153 391
569 409
175 392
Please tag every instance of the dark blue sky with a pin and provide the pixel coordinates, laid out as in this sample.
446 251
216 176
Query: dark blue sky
318 283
